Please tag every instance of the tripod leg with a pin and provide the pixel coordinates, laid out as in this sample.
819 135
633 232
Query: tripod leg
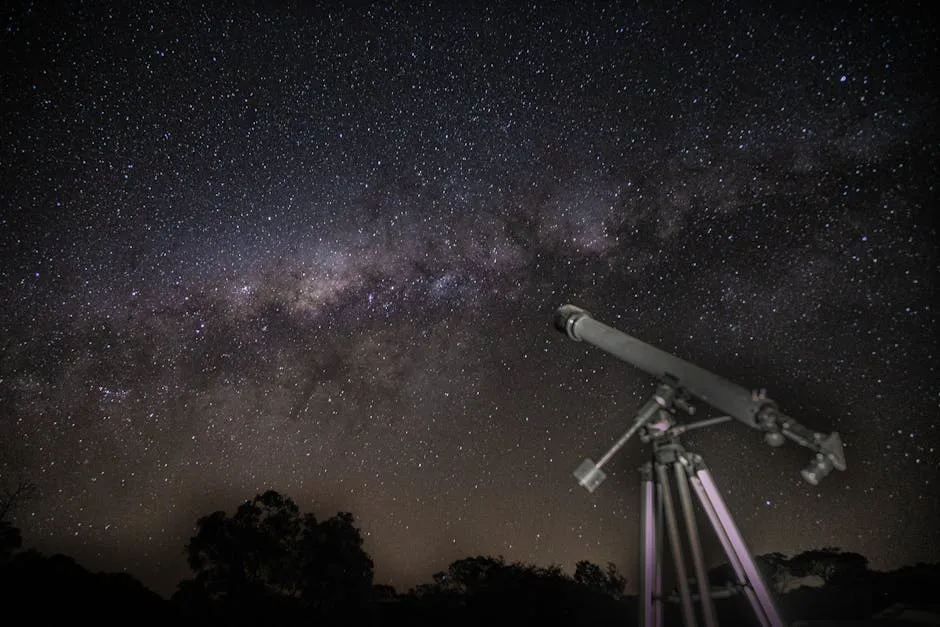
649 571
729 552
685 597
658 600
695 545
737 551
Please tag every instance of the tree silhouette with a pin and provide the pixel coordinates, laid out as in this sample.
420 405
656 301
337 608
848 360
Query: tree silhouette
268 555
334 572
488 590
10 541
591 575
13 497
776 570
10 499
831 564
249 553
470 575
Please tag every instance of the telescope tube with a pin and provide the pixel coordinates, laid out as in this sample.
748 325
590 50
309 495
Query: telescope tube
754 410
731 398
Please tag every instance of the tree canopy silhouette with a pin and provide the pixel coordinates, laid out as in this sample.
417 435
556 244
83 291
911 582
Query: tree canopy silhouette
609 582
831 564
12 497
489 590
270 563
268 551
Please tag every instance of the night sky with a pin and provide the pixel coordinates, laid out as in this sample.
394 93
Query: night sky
317 248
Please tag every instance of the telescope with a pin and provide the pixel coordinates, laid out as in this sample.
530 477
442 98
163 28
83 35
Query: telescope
752 408
680 384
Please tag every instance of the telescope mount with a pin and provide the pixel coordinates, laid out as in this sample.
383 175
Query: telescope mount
656 425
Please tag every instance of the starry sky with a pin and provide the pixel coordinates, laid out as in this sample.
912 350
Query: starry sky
316 247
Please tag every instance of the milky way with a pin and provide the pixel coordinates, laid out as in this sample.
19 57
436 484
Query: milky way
317 249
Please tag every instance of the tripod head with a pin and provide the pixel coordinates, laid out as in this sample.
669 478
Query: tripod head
754 409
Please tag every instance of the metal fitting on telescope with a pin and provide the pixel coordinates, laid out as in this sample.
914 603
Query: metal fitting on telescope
565 318
817 469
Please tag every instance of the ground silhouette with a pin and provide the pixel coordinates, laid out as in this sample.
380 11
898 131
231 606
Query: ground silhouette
269 563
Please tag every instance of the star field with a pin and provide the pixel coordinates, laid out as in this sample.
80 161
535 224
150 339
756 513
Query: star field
316 248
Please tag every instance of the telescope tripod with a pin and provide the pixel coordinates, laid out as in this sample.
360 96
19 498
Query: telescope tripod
656 424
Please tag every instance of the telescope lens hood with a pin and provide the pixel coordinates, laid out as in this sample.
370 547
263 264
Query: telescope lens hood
565 317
